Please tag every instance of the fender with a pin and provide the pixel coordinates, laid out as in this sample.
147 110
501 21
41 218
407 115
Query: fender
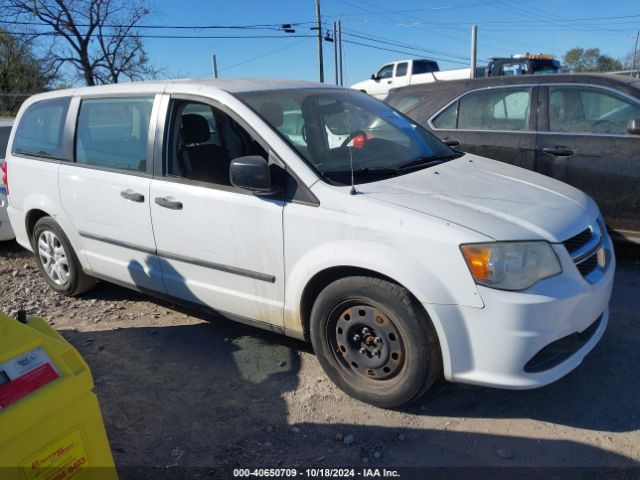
420 277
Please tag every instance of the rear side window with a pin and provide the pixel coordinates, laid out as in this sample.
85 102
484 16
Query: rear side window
41 129
499 109
447 119
424 66
401 69
113 132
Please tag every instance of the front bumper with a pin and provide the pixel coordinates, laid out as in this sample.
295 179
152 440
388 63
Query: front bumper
491 346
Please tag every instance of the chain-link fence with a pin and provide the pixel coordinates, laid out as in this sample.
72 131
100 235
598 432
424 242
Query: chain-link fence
10 103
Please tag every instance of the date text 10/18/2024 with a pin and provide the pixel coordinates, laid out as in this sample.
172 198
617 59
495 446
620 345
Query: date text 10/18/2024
316 472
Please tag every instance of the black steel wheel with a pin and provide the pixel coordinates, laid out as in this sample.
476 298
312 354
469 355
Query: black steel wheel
375 341
366 341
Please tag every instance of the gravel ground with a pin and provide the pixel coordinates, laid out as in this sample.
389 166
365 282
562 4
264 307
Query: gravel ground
195 396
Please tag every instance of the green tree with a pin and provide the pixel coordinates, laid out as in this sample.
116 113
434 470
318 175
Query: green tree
590 60
21 71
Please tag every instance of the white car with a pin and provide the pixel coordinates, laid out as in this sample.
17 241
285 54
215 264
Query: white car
6 232
399 258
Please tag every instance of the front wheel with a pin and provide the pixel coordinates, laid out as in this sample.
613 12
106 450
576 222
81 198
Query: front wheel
57 261
375 341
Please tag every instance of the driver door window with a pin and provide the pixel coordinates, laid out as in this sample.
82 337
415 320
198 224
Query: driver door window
385 72
588 110
203 141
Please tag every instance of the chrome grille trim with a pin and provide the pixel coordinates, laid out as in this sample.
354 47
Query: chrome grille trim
591 258
581 254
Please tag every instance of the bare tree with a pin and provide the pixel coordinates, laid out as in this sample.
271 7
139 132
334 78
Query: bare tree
98 39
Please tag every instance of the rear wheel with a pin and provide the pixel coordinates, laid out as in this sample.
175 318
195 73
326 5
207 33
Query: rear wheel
375 341
57 261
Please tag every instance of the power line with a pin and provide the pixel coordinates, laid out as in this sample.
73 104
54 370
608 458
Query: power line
419 27
447 7
179 37
401 45
266 26
529 22
385 12
264 55
400 51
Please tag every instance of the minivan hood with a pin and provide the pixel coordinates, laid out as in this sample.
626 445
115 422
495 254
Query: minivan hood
496 199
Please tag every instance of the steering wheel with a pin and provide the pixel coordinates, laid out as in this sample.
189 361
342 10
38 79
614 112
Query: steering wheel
353 135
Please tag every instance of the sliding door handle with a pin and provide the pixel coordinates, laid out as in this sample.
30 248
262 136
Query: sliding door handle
132 196
169 202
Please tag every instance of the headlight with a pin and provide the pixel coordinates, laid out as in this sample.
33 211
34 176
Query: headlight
510 265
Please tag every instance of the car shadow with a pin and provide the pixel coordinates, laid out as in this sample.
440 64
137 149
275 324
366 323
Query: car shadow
196 401
596 396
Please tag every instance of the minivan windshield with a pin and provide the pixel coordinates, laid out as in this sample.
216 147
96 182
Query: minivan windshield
335 129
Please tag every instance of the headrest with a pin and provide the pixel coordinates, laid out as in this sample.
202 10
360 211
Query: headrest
272 113
195 128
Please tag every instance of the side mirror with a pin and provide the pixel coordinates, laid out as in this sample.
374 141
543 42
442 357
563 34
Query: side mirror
374 77
633 127
251 173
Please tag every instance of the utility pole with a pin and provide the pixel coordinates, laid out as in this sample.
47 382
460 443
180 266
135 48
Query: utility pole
635 49
215 66
320 59
335 51
340 50
474 50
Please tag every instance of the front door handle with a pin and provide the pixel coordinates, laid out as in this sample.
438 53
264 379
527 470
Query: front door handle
132 196
168 202
558 151
451 142
389 81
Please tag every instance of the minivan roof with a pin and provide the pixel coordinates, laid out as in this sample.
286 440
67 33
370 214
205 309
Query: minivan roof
231 85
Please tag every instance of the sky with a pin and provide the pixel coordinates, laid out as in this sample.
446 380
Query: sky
438 29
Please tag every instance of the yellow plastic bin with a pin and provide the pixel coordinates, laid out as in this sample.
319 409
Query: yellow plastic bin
50 422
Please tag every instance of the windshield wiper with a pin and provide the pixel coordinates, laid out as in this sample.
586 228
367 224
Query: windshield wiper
425 162
363 171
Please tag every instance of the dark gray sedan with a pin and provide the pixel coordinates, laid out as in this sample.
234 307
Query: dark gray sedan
583 129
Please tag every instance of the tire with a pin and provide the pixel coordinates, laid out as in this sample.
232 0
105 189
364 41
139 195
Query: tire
395 367
57 260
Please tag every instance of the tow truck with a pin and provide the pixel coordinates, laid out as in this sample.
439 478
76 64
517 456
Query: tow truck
524 64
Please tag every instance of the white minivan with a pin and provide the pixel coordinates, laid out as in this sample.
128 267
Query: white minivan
400 259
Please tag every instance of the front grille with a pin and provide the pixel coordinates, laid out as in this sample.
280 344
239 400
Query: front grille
589 265
580 240
587 251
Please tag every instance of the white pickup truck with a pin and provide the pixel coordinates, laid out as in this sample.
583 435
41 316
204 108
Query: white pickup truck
407 72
